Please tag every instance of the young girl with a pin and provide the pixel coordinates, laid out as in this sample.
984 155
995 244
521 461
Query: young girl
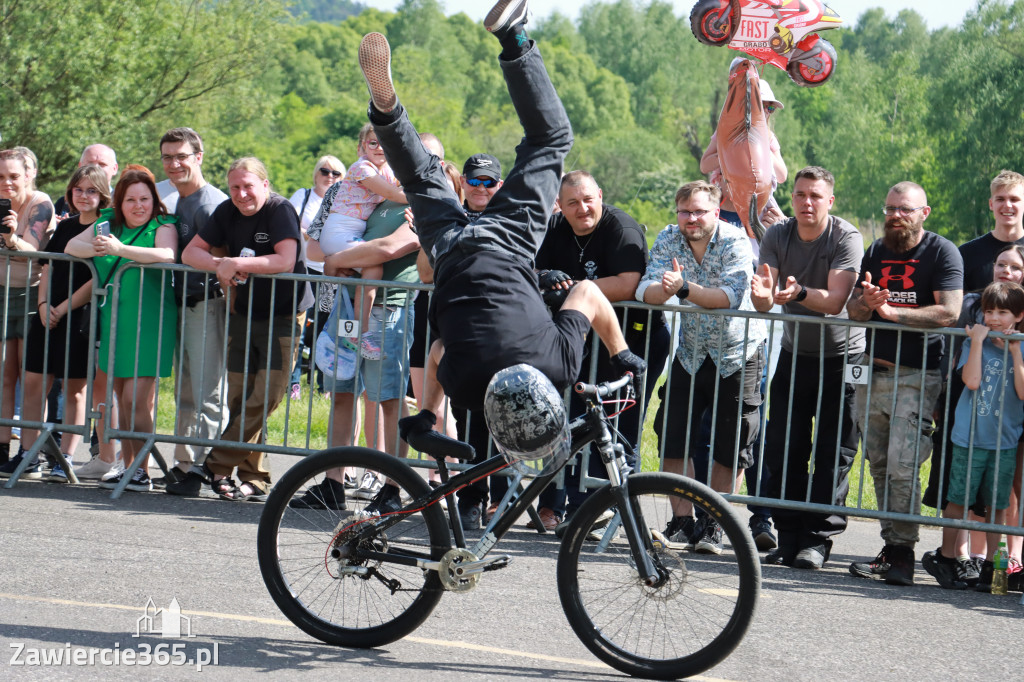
988 423
367 184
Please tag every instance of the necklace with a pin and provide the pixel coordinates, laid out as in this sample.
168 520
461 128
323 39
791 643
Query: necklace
583 246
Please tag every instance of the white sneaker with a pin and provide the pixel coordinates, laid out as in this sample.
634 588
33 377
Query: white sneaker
368 488
96 469
115 471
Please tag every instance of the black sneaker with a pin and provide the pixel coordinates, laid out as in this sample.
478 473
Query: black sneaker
387 501
943 569
33 472
471 516
901 566
761 531
813 557
876 568
189 486
505 15
140 482
173 475
681 532
985 579
327 495
968 571
710 541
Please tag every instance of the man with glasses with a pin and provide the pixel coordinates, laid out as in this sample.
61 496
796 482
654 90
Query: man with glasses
199 360
487 307
706 263
481 179
912 278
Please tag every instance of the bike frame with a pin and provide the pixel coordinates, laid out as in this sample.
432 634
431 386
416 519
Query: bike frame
591 427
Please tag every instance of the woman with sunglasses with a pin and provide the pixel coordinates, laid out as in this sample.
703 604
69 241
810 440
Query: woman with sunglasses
367 184
327 171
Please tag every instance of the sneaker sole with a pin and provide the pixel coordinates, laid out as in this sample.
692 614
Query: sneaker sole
363 494
504 14
708 548
375 63
765 542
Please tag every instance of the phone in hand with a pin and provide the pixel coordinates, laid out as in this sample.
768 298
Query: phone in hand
5 210
103 228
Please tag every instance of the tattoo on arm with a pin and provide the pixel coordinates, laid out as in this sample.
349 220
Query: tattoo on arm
39 220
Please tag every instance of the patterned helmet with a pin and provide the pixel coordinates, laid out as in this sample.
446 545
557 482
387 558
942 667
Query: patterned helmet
526 417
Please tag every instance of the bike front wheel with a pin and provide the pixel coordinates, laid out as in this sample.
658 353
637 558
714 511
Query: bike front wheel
696 613
309 541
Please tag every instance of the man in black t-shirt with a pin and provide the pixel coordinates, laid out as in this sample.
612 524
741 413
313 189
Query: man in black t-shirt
1007 204
259 309
590 240
914 278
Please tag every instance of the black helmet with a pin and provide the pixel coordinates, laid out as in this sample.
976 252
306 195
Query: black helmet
526 417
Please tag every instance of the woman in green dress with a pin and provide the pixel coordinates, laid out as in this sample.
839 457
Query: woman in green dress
140 231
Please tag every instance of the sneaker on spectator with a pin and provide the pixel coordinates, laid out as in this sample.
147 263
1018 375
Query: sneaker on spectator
56 474
471 516
876 568
968 571
761 530
296 390
369 346
190 484
327 495
368 488
387 501
785 553
813 557
350 482
943 569
140 482
710 541
96 468
901 566
985 579
115 471
33 472
173 475
680 532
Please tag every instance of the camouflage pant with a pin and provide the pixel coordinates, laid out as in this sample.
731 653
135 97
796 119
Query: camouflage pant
897 441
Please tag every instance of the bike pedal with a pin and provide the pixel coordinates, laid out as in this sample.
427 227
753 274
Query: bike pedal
500 561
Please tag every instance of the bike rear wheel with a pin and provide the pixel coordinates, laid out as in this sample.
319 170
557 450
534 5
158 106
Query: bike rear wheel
688 623
304 545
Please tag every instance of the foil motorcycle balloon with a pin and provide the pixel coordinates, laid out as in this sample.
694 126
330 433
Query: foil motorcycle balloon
778 32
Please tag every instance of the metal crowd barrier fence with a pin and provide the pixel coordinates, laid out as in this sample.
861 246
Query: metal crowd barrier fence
298 427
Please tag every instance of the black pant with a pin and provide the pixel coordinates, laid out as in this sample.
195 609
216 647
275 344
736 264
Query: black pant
833 449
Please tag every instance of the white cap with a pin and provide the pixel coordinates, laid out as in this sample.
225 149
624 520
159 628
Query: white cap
768 96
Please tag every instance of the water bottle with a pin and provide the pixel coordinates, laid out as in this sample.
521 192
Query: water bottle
1000 562
245 253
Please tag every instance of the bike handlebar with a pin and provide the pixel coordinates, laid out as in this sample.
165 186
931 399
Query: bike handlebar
603 390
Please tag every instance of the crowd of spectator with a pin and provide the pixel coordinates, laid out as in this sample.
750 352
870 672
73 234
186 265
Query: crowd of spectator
232 338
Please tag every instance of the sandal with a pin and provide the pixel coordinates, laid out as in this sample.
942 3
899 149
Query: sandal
223 487
246 490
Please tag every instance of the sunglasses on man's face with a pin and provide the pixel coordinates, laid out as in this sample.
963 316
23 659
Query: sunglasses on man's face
328 173
489 183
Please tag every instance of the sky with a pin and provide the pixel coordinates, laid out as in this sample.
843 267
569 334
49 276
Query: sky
937 13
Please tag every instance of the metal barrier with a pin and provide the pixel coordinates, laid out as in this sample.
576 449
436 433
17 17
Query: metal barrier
307 417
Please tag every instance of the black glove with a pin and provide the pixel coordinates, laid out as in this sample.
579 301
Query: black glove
419 423
553 298
627 361
547 279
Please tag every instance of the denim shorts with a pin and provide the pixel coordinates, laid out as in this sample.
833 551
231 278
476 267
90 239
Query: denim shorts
387 378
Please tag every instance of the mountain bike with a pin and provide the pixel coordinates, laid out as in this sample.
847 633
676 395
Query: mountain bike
638 600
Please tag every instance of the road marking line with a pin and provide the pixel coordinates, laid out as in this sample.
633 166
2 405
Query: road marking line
277 621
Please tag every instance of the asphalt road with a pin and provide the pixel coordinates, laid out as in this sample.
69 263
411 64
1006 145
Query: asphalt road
78 569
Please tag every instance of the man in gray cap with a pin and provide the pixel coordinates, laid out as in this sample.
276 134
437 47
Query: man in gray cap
481 178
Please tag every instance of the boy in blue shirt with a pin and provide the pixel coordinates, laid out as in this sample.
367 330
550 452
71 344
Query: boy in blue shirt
989 422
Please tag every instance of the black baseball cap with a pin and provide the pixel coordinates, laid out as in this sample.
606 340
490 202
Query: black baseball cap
482 166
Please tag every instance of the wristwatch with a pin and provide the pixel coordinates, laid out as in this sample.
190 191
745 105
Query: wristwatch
802 295
683 291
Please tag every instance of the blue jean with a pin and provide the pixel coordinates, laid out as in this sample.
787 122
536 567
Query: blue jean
515 219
